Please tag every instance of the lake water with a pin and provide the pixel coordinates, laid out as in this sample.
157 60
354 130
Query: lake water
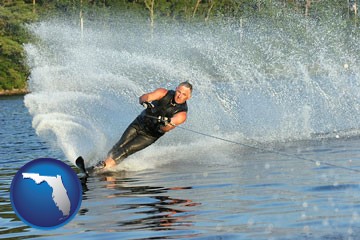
238 194
279 97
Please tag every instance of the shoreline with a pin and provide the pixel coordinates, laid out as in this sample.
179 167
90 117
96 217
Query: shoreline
14 92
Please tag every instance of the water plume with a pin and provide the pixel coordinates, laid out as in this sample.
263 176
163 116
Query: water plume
265 79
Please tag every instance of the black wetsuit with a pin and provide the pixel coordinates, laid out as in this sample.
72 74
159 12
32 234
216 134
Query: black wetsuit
145 129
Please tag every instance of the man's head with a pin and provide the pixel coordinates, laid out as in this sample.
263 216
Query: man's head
183 92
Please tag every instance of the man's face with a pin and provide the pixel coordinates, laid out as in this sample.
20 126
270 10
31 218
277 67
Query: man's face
182 94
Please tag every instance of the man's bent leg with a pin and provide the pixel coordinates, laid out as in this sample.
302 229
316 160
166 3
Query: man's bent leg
129 134
138 143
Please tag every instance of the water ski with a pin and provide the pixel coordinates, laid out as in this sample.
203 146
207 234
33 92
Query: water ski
80 163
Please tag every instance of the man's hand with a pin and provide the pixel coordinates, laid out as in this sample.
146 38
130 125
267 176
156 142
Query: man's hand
148 105
164 120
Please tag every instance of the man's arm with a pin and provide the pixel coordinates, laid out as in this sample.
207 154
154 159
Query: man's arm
152 96
176 120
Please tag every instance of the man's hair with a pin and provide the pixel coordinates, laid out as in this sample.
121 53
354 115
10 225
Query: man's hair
186 84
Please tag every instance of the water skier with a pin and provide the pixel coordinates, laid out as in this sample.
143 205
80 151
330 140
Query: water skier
165 109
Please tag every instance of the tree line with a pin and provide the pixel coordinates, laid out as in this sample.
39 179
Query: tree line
14 14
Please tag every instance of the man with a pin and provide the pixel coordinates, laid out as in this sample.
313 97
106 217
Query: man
165 109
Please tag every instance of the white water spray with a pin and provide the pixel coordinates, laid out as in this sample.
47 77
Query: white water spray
263 81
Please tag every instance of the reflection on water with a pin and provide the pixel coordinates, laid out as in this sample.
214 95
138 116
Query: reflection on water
156 211
151 207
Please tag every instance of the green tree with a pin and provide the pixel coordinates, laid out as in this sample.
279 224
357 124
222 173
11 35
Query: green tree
13 16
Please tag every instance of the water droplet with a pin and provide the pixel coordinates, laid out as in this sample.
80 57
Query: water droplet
325 222
251 222
355 216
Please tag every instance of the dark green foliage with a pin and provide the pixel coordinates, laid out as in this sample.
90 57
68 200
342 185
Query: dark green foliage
14 14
